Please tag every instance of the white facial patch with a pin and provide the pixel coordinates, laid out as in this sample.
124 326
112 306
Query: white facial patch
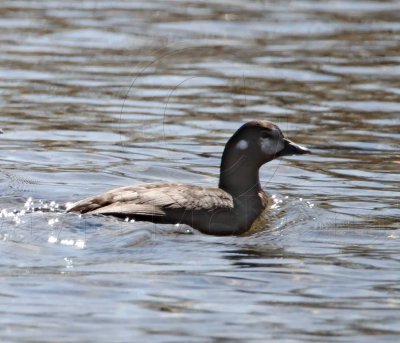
270 148
242 144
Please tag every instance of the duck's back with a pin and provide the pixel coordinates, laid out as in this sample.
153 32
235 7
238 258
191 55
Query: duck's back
157 202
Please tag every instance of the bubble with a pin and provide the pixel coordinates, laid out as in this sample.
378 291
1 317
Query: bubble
80 243
52 239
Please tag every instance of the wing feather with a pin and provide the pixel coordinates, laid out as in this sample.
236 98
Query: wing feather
128 209
154 199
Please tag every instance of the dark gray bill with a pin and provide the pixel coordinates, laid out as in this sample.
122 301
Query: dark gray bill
292 148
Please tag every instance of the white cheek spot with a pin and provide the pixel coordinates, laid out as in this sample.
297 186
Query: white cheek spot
242 144
266 147
271 148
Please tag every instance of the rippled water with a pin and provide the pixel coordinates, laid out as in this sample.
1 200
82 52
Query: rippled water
99 94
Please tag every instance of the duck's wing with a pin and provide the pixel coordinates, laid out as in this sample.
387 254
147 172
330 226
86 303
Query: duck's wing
154 200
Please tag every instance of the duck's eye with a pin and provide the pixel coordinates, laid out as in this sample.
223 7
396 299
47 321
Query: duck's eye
264 134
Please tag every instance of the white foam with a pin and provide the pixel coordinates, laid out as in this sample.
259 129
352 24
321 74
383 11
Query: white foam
52 239
80 243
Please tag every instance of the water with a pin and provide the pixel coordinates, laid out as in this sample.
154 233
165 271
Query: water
99 94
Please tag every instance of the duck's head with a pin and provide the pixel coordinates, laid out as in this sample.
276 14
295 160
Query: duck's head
252 145
259 142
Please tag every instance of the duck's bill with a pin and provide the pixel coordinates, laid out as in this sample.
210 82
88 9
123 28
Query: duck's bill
291 148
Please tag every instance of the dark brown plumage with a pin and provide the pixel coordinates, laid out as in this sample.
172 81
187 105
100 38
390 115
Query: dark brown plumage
230 209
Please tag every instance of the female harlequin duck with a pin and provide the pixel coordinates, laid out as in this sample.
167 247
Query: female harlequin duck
230 209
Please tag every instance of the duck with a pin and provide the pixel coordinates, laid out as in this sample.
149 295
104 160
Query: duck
229 209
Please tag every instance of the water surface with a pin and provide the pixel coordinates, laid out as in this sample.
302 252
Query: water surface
100 94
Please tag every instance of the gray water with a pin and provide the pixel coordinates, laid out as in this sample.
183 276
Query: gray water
100 94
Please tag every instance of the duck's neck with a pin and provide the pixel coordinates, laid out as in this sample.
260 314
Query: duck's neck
239 176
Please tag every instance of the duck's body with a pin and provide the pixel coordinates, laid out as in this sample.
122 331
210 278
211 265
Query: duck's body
229 209
210 210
